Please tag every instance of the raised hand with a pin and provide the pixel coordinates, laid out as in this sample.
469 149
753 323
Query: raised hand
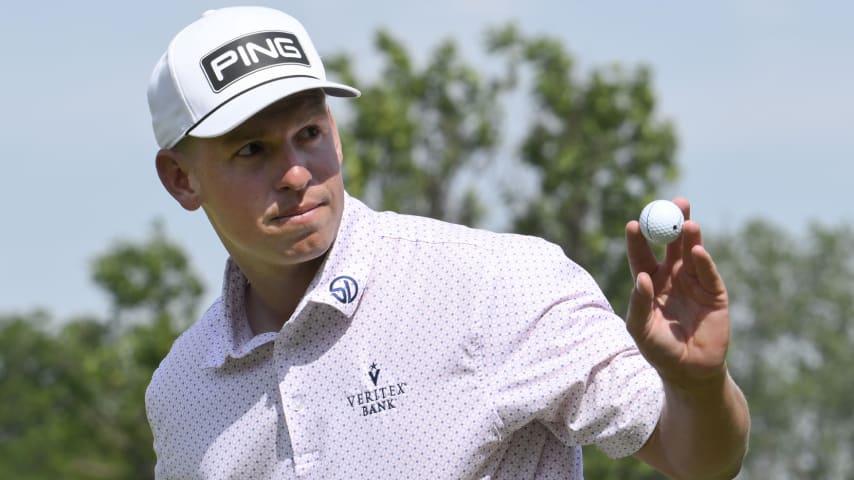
678 311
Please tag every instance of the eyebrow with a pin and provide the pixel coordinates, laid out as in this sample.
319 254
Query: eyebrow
242 134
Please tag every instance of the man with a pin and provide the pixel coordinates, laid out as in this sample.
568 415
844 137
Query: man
355 344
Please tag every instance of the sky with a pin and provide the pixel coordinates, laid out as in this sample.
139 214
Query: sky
759 92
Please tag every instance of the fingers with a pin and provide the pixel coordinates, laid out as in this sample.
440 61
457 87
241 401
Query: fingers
706 271
684 205
691 237
641 257
640 306
674 249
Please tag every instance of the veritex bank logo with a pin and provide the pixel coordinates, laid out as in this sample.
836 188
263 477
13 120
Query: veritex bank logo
250 53
381 399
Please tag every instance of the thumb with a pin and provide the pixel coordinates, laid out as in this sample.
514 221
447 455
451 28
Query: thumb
640 306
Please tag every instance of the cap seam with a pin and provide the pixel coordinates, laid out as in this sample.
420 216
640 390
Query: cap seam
180 88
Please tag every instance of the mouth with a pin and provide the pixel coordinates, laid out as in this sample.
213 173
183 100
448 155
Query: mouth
300 212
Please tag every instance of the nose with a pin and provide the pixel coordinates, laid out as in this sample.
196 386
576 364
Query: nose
293 173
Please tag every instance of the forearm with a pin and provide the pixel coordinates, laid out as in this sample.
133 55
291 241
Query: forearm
702 433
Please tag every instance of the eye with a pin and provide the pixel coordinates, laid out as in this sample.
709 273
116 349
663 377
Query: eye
250 149
310 132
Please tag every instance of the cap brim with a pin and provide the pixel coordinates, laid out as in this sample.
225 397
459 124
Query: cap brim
241 107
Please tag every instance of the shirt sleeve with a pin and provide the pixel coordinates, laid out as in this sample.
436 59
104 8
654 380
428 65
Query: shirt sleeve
151 409
555 352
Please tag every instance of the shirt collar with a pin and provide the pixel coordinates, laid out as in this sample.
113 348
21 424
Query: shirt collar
344 275
340 283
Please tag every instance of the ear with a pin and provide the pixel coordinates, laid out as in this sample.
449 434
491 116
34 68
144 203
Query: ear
178 179
335 136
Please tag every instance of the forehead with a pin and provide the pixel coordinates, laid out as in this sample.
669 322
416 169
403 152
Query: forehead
297 106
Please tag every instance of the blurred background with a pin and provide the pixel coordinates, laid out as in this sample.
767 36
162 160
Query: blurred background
559 119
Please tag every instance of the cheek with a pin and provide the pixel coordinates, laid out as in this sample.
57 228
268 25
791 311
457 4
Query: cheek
236 200
327 168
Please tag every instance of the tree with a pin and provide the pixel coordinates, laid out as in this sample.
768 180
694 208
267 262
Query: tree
73 393
792 303
598 147
153 278
416 133
67 401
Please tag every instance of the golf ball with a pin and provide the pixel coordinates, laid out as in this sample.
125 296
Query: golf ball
661 221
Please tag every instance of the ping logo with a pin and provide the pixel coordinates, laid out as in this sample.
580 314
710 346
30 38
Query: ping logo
250 53
344 289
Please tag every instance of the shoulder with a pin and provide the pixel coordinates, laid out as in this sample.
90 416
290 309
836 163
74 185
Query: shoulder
396 227
392 229
506 260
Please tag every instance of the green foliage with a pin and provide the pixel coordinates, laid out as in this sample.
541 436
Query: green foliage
71 403
152 277
73 394
793 302
416 132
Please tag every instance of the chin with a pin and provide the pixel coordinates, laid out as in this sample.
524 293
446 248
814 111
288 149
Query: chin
309 249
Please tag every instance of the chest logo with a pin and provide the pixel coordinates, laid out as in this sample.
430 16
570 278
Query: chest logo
374 373
385 397
344 289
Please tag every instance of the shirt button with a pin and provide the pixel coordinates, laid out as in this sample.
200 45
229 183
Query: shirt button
296 404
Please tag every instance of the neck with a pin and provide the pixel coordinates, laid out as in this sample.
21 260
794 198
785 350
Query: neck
274 293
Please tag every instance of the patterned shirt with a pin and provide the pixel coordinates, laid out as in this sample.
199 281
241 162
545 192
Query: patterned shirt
421 350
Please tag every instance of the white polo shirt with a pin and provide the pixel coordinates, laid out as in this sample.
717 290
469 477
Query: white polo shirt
421 350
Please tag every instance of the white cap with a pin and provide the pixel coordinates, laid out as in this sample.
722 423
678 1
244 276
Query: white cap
229 65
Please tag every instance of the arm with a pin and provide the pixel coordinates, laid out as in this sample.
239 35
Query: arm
679 317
